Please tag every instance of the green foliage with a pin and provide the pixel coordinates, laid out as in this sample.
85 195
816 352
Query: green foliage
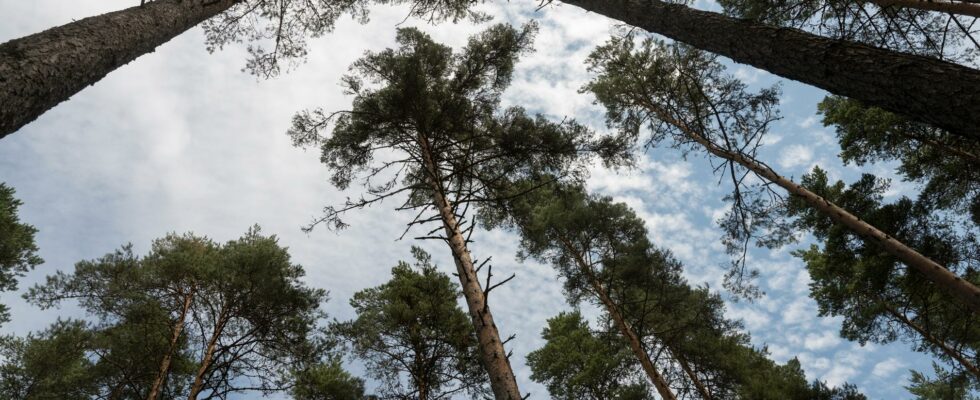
291 23
946 165
945 385
871 289
18 252
577 363
327 381
680 97
411 329
51 365
565 226
245 296
424 103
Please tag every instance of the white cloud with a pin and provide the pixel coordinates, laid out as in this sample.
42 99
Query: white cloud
885 369
821 341
807 122
795 156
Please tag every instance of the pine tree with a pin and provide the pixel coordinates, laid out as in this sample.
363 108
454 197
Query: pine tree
881 299
327 381
237 313
577 363
425 124
945 165
682 95
411 329
18 252
690 349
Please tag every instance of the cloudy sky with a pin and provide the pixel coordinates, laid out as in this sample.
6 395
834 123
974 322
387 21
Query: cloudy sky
181 140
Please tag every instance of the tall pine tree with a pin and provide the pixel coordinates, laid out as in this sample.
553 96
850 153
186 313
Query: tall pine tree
425 125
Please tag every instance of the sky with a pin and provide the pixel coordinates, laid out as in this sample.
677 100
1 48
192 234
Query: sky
181 140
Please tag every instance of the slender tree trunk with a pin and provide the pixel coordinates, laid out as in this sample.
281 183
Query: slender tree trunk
41 70
965 291
502 380
952 150
624 328
948 7
165 364
930 338
929 90
206 360
703 390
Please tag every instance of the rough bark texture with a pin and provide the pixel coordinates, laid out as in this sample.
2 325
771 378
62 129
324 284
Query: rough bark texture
495 360
949 7
965 291
928 90
165 364
624 328
41 70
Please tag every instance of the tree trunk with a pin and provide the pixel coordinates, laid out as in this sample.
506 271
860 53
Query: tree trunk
41 70
965 291
925 89
206 360
165 364
931 339
502 380
953 150
703 390
948 7
624 328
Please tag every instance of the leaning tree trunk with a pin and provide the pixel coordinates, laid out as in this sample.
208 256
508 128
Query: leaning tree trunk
495 360
947 7
207 359
929 90
945 348
175 337
41 70
624 328
702 389
959 287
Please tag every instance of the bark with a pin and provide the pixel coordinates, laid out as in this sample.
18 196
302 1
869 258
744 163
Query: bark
165 364
931 339
41 70
624 328
948 7
206 360
944 94
968 293
495 360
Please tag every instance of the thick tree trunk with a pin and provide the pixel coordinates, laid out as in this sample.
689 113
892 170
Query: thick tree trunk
943 6
624 328
495 360
206 360
929 90
41 70
931 339
165 364
965 291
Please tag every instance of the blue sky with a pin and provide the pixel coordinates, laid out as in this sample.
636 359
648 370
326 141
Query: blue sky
181 140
